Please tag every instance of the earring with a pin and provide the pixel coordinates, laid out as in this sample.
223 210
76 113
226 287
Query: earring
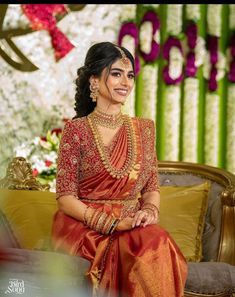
94 92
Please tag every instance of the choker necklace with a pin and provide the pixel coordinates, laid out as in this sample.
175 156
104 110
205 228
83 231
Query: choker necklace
111 121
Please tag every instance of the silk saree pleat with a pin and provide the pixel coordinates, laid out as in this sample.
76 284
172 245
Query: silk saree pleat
125 264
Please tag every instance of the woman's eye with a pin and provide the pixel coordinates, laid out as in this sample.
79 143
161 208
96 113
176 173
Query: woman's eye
131 76
115 73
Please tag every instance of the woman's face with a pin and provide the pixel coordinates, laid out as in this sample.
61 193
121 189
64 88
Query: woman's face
119 83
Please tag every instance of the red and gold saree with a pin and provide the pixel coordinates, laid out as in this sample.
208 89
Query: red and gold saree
136 263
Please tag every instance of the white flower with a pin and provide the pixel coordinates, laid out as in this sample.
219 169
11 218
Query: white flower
128 12
174 18
190 112
149 78
129 43
36 140
193 12
172 111
45 144
146 33
15 18
214 19
176 62
52 156
200 51
151 5
231 129
211 129
232 16
220 65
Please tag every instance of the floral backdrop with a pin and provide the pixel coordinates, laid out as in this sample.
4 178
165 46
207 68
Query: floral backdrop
185 58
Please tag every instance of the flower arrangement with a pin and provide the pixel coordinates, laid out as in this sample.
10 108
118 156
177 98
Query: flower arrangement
41 153
173 53
149 36
191 33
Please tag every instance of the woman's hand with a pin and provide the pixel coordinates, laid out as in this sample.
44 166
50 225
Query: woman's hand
143 218
125 224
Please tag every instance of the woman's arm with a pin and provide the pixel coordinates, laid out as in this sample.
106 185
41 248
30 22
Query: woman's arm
71 206
150 199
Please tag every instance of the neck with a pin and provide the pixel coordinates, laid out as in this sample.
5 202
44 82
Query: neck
111 109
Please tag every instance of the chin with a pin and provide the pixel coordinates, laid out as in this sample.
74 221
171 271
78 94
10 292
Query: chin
121 100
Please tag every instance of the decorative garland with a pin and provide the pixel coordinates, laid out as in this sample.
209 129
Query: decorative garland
191 33
173 53
151 30
42 17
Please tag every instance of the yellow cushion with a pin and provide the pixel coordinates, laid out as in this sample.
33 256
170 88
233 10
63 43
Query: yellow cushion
182 214
30 215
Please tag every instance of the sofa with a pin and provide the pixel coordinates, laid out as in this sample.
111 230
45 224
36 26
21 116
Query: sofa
197 209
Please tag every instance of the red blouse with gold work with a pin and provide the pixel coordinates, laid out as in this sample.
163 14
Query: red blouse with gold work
81 173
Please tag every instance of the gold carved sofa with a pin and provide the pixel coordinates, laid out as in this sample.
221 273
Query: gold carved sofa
26 213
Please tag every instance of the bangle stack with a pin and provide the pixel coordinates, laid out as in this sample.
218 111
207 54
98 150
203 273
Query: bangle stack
100 221
151 208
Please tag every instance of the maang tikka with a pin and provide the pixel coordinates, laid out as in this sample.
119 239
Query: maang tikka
125 61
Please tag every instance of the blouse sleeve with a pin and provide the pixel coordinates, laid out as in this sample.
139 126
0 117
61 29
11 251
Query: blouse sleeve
152 183
68 162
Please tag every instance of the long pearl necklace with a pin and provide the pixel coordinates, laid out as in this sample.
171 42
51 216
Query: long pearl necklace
131 144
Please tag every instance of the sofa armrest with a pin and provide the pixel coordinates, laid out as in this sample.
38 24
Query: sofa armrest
227 238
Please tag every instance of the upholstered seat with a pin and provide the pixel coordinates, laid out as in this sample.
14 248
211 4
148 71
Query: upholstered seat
213 275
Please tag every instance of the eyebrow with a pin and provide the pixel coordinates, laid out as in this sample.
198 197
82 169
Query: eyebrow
119 69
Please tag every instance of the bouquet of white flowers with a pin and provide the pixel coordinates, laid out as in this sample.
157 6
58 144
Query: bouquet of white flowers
41 153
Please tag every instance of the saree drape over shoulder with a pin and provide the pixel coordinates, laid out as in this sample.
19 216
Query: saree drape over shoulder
142 262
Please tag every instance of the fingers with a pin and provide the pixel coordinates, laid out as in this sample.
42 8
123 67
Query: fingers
149 220
139 217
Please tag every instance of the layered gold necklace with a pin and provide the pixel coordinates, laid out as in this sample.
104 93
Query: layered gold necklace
111 121
131 143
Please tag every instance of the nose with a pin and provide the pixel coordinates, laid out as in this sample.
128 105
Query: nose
124 80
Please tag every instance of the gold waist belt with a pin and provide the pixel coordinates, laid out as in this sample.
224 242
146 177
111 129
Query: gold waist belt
111 201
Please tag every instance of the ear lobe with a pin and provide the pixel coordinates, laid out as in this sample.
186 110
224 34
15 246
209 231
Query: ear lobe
93 80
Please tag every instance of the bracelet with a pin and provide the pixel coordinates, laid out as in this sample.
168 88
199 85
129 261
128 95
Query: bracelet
113 226
152 207
100 221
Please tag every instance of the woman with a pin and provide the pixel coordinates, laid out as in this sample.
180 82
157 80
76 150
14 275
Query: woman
107 187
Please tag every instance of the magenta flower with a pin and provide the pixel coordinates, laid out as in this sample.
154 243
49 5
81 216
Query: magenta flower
151 16
191 33
171 41
190 68
212 81
231 74
213 48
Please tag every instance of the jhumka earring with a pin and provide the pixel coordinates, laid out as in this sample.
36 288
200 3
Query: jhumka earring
94 92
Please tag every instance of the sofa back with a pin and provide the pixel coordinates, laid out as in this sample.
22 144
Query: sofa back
184 173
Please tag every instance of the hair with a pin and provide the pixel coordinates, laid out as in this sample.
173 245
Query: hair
98 57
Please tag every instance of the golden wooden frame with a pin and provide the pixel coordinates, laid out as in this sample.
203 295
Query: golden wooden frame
19 176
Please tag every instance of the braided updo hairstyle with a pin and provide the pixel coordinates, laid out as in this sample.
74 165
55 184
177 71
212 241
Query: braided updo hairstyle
98 57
